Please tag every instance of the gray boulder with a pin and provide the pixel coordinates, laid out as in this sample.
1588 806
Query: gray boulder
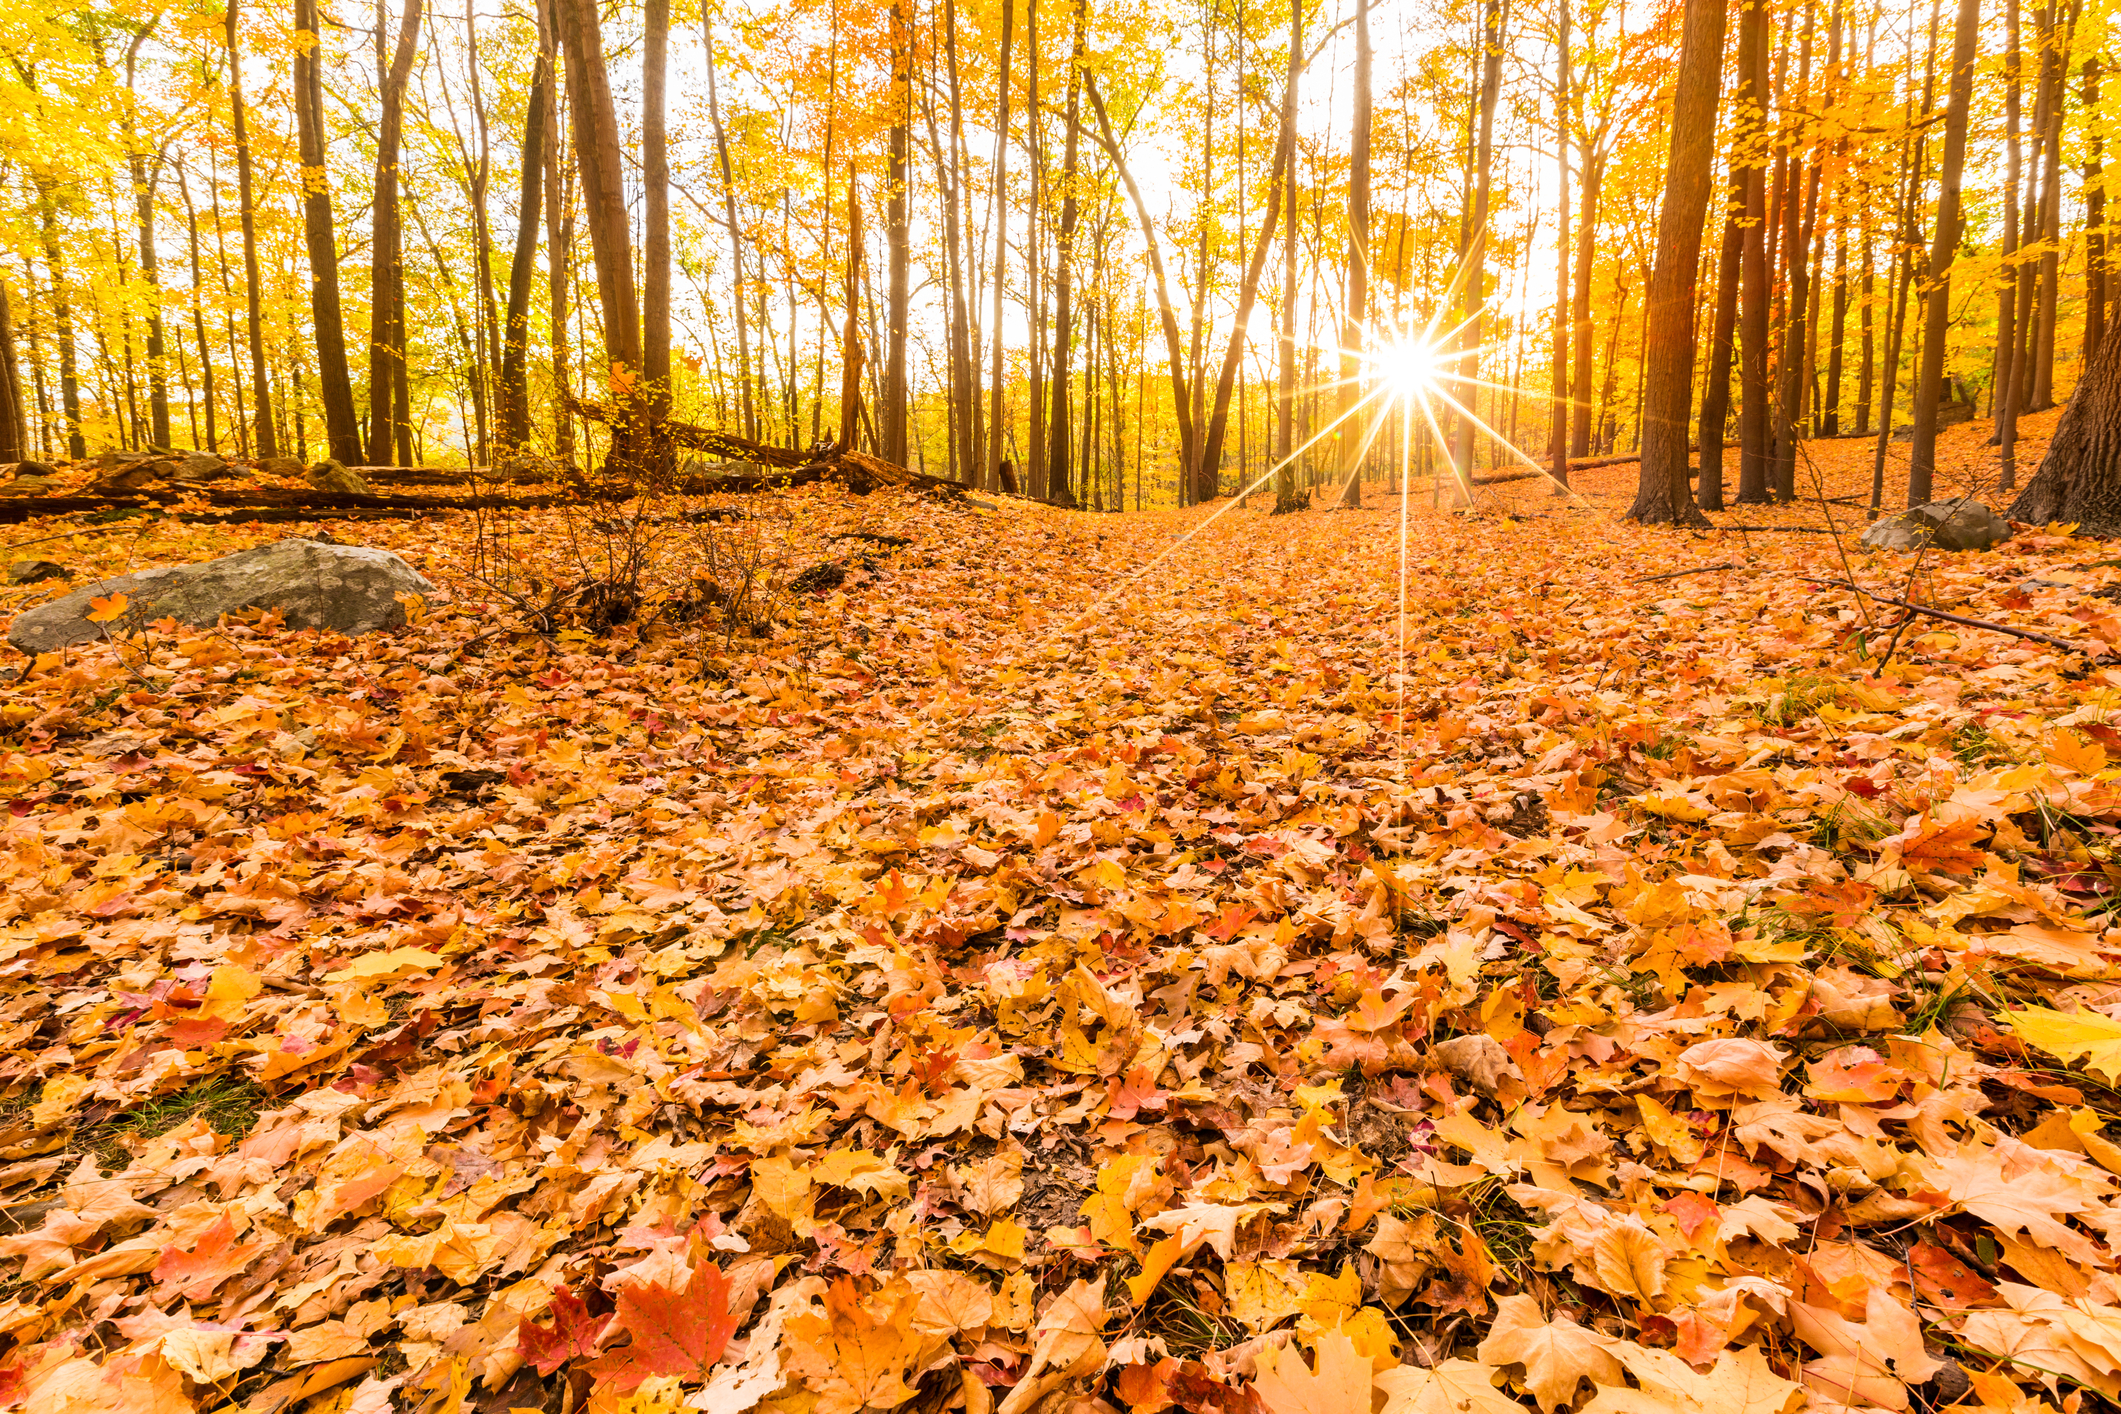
349 588
200 466
333 476
1964 524
35 572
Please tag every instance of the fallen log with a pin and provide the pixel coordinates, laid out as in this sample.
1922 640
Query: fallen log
859 471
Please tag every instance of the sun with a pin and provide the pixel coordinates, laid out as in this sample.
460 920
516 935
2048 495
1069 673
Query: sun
1408 366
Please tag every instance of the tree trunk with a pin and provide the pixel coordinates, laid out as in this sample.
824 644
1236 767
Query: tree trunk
261 394
14 423
1663 493
2057 60
1922 452
964 362
512 401
2080 477
1473 274
342 429
655 234
198 309
1753 452
892 424
1174 341
1059 458
1558 439
144 181
597 158
1286 498
746 411
2094 220
559 244
1001 248
1591 173
1355 314
389 413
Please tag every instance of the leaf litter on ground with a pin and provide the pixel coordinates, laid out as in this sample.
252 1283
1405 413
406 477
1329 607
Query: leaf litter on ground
1018 983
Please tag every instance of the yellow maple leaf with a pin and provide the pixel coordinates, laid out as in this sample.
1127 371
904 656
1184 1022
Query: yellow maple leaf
2084 1036
104 608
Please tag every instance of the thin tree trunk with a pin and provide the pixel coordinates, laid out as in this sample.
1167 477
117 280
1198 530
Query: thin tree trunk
1558 438
261 393
1922 452
964 363
1591 172
559 244
1837 331
62 316
389 412
897 239
1355 313
1286 498
14 424
655 233
1001 248
1059 458
198 310
1663 493
736 240
512 401
1473 275
1181 401
2057 59
1753 450
2003 395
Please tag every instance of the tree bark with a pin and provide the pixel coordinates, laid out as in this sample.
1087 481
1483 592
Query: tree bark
2080 477
1922 452
1663 494
746 411
2095 244
1473 292
1591 175
62 315
261 394
559 244
597 158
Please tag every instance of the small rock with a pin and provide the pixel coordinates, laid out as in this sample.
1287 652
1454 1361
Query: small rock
349 588
34 471
1964 524
329 475
200 466
136 476
35 572
281 466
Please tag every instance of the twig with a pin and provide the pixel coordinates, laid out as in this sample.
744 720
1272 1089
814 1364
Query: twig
1840 550
1778 529
1682 574
62 535
2050 640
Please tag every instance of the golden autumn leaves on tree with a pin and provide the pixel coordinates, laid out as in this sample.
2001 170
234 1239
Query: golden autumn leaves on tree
713 884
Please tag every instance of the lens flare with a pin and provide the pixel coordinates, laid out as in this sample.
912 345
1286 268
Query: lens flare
1410 367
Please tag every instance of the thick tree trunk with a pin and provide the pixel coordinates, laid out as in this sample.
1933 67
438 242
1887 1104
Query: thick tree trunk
597 158
389 410
261 393
1474 276
2080 477
1663 493
1922 452
512 403
2095 244
342 428
559 245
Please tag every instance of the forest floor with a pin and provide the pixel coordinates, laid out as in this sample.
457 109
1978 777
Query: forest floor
1046 975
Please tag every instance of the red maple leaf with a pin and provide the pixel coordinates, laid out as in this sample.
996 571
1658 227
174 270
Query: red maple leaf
574 1331
674 1332
215 1258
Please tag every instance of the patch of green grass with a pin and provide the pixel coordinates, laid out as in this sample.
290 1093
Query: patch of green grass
229 1106
1845 825
1506 1228
1973 744
1782 702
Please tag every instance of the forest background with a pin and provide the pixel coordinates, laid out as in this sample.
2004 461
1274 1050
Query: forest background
1140 254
